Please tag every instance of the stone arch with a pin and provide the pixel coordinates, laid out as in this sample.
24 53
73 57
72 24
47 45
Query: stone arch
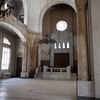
14 29
48 5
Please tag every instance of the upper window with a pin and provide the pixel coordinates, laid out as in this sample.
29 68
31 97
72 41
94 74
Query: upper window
55 46
63 45
61 25
67 44
6 41
59 45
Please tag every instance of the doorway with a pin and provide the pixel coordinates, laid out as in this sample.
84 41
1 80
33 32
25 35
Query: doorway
61 60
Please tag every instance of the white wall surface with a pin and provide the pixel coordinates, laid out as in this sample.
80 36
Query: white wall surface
36 10
95 7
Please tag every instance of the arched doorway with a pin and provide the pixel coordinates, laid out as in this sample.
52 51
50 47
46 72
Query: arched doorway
11 49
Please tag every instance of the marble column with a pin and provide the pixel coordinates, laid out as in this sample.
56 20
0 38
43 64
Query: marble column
24 62
82 40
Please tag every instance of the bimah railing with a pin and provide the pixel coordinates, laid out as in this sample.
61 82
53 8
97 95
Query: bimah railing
66 71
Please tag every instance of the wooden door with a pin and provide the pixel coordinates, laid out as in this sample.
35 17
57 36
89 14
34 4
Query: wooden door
61 59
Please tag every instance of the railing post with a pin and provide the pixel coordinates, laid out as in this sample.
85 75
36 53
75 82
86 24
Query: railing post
44 68
68 72
51 69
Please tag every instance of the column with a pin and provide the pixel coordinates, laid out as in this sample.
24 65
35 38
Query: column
24 62
82 40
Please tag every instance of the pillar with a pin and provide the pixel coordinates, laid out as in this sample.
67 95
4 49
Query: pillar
24 61
82 40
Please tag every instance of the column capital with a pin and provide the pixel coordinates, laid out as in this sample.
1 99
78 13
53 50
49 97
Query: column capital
81 3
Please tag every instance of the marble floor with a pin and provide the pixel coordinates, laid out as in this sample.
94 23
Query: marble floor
37 89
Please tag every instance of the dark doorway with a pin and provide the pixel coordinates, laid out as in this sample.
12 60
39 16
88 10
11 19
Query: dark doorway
19 66
44 62
61 59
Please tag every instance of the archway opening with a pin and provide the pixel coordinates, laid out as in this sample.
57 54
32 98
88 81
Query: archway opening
11 49
55 14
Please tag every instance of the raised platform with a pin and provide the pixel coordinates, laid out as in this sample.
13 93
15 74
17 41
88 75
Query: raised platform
57 73
58 76
55 76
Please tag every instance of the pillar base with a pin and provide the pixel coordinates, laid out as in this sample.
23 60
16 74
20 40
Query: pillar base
83 76
24 75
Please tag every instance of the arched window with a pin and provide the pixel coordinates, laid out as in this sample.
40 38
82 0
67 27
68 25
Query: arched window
6 53
55 46
67 44
63 46
59 45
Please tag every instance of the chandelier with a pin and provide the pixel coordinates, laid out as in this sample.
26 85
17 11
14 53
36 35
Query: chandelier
46 40
5 11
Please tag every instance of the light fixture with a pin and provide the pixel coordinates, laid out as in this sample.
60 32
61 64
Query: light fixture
46 40
5 9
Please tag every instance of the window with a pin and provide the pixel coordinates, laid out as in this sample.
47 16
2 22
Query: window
67 44
5 58
59 46
61 25
6 41
6 53
63 46
55 46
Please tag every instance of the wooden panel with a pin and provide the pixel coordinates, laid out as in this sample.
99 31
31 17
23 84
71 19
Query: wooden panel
61 59
19 66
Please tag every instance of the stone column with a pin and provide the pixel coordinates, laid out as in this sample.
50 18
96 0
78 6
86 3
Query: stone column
24 62
82 40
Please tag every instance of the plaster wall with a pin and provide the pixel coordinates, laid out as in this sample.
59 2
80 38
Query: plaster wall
95 16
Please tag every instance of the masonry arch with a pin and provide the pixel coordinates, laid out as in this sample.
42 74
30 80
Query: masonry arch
51 3
14 29
17 46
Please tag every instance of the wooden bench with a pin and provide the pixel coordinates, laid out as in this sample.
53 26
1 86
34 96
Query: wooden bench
5 75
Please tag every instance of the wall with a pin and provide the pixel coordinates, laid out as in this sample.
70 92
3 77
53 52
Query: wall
36 9
95 18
